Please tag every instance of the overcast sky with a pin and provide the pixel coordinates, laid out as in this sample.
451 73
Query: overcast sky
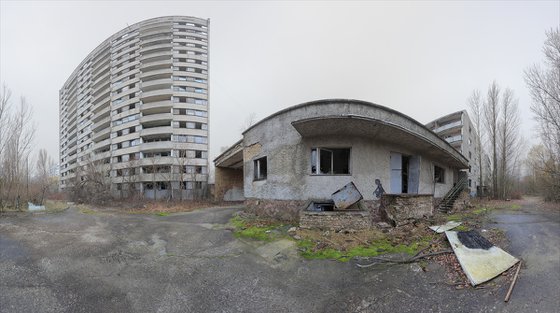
420 58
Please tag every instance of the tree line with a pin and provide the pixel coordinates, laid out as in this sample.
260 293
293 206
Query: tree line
503 167
23 175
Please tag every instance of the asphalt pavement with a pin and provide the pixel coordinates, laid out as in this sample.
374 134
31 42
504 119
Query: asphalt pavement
190 262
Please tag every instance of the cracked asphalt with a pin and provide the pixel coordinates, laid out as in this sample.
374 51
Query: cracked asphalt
191 262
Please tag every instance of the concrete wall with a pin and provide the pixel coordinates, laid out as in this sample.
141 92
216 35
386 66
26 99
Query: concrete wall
336 220
401 208
289 156
228 184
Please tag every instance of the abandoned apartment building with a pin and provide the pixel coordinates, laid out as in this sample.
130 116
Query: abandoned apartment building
305 153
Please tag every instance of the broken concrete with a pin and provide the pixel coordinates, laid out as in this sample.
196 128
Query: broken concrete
401 208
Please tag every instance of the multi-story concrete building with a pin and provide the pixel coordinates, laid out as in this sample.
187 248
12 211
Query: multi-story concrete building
137 108
457 129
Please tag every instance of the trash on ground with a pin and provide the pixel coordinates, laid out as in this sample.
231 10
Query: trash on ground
346 196
33 207
479 258
445 227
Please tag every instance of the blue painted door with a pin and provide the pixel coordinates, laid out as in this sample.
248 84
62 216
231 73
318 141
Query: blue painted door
396 172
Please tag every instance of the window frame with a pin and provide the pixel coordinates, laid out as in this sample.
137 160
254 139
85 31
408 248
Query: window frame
257 168
441 179
317 158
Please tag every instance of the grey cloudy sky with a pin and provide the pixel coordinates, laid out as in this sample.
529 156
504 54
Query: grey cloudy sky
420 58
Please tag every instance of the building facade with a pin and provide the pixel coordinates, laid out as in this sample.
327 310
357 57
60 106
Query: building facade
136 109
309 151
457 129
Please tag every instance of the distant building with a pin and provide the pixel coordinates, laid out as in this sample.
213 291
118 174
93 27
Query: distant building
137 106
457 129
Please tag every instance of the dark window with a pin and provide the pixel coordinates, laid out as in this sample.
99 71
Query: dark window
260 169
439 174
330 161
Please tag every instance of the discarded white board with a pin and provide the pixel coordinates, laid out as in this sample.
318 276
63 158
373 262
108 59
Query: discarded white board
481 263
445 227
33 207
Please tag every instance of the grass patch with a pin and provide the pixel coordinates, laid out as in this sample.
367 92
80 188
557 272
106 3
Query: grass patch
256 230
87 211
162 214
457 217
311 251
55 206
461 228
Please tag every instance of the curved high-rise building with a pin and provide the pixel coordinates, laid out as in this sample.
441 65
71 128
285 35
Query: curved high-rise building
136 111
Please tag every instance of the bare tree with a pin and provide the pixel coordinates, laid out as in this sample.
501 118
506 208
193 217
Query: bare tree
43 175
476 108
491 120
544 84
92 182
250 120
17 133
510 141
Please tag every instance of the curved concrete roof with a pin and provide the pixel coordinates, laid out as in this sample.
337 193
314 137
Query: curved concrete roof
362 118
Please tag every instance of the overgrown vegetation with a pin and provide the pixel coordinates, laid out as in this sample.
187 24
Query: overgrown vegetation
255 229
341 246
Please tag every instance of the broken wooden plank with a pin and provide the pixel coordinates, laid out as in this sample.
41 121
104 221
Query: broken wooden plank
508 295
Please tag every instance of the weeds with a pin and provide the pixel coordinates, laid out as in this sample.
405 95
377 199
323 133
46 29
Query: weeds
256 230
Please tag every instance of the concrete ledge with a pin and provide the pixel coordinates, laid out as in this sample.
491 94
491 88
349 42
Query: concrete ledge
335 220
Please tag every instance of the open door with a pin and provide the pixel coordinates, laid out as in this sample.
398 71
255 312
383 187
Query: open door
396 172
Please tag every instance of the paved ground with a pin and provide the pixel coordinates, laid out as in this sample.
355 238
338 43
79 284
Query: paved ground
76 262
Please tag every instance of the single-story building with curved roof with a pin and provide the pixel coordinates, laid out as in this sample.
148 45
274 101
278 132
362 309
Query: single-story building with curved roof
309 151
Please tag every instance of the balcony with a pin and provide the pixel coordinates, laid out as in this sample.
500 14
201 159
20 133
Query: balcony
156 117
448 126
151 106
100 135
161 130
157 146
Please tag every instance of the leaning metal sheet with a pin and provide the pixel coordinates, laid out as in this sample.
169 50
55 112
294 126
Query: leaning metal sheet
479 264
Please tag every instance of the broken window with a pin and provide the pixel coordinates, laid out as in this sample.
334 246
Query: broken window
260 169
330 161
439 174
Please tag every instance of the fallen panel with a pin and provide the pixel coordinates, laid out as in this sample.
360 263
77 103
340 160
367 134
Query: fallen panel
445 227
346 196
480 259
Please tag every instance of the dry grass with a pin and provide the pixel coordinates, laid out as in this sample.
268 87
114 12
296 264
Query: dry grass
153 207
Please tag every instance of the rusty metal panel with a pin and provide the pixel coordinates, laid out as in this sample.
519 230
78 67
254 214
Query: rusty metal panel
346 196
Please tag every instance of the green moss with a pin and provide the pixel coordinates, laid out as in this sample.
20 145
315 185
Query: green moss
377 248
461 228
87 211
481 211
261 233
162 214
515 206
455 217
